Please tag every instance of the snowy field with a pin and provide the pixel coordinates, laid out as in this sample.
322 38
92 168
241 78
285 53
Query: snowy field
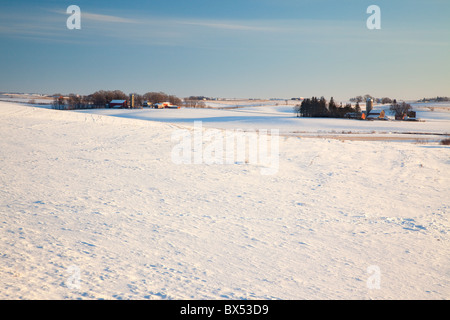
25 98
93 207
251 115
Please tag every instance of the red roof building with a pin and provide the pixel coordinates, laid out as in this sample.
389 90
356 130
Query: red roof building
118 104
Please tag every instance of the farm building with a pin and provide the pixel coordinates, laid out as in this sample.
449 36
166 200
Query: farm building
369 105
118 104
159 106
164 105
354 115
410 116
377 116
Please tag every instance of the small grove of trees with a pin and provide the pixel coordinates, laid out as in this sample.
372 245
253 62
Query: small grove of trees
400 109
386 100
359 99
198 98
320 108
100 99
159 97
58 101
194 103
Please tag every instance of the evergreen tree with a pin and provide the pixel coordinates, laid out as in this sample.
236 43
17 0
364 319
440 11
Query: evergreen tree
305 108
332 107
357 108
322 108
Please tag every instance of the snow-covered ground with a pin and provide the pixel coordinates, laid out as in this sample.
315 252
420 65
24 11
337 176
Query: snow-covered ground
433 124
25 98
93 207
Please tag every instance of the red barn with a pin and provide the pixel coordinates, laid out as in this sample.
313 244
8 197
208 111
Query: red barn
118 104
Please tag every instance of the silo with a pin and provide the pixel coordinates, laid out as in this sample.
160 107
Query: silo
369 105
131 100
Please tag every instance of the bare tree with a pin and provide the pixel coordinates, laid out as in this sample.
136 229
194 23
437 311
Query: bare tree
58 101
174 100
118 95
297 110
357 108
194 103
386 100
359 99
74 101
99 99
155 97
400 109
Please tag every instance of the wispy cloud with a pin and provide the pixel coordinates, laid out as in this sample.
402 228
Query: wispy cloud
147 30
237 25
107 18
50 25
229 25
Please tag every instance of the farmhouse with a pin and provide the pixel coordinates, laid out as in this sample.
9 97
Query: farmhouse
409 116
159 105
166 105
376 116
354 115
118 104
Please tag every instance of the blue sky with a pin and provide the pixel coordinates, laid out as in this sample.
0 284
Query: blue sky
233 48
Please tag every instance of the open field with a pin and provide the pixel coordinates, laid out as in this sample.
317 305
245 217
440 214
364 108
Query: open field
250 115
93 207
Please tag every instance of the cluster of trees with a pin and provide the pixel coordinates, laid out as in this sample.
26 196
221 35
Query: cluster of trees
101 98
320 108
316 107
194 103
158 97
437 99
98 99
387 100
198 98
384 100
400 109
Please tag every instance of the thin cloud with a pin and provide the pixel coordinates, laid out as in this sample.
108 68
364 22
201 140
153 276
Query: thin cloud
97 17
191 31
107 18
228 25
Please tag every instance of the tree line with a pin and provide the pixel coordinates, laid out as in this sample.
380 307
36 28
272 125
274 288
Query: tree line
320 108
436 99
384 100
101 99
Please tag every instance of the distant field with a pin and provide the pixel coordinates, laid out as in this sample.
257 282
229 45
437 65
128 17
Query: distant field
247 114
251 115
